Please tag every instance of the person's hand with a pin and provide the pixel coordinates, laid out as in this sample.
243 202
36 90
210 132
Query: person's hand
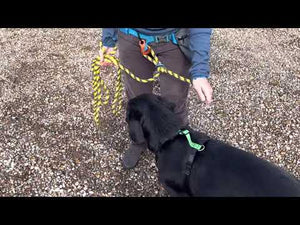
204 90
105 50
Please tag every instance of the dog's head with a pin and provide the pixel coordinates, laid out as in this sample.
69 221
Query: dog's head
151 119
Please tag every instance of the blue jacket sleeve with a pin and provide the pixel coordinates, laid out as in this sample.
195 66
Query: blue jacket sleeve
109 37
200 47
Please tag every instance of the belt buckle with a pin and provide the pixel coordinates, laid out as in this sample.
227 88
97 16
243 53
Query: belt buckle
161 39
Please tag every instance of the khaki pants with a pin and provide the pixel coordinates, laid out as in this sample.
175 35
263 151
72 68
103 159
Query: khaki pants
170 55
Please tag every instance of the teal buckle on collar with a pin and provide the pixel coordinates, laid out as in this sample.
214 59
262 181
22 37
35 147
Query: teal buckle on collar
194 145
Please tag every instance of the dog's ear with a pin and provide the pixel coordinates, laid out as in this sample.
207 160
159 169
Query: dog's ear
151 119
136 131
163 101
133 118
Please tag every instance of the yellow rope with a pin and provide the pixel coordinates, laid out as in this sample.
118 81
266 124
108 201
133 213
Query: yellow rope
101 93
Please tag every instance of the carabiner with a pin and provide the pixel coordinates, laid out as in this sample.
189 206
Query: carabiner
145 49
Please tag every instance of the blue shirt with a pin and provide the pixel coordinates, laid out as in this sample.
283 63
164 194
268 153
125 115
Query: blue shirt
199 45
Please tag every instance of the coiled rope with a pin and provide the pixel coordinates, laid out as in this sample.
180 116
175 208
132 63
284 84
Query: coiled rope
101 94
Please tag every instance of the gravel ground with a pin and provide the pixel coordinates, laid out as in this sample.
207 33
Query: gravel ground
50 146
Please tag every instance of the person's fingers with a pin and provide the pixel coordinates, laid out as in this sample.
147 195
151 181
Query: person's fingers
101 56
102 52
208 95
105 63
117 53
109 50
201 95
204 90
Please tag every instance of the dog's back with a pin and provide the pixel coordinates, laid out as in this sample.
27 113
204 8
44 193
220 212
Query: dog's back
223 170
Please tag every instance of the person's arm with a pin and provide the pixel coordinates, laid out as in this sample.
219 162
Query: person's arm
200 71
109 40
200 47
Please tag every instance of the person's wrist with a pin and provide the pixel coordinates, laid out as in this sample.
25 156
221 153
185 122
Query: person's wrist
109 43
199 76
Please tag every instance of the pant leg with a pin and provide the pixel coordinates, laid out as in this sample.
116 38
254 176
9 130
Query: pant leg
131 57
171 88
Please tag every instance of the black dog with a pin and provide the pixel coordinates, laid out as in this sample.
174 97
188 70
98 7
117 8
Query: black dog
218 170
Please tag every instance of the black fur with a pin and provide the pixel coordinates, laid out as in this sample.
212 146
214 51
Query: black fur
220 170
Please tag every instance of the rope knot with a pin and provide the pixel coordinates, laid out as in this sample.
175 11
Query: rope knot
159 64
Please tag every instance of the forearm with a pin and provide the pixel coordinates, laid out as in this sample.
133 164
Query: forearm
200 47
109 37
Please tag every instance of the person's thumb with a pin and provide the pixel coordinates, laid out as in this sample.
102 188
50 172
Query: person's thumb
102 52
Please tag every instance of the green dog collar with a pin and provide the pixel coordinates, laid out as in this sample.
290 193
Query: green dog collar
196 146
